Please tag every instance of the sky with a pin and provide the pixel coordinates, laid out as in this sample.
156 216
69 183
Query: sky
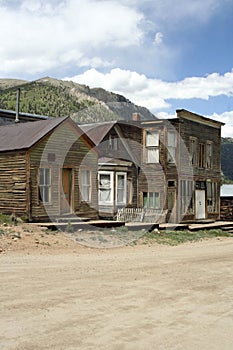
160 54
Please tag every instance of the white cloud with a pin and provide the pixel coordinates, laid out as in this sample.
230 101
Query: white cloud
154 93
227 118
158 38
65 32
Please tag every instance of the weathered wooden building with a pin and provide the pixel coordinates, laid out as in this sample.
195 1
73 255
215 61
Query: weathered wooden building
47 170
172 165
8 117
226 202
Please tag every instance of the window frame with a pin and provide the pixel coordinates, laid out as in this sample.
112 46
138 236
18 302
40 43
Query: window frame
209 154
155 196
187 191
171 148
124 188
44 189
149 149
212 197
202 155
86 188
102 187
193 150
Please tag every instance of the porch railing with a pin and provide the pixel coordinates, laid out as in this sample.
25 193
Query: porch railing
141 215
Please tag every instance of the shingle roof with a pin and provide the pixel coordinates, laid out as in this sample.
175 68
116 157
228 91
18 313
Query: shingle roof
24 135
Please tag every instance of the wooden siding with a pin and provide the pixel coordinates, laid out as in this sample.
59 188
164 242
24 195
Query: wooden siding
13 183
226 208
203 133
70 152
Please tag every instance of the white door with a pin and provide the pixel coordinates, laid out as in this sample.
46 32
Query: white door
200 204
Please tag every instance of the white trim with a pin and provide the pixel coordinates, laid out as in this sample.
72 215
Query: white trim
125 188
110 187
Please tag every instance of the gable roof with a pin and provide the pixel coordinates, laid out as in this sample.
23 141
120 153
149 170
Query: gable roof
24 135
96 132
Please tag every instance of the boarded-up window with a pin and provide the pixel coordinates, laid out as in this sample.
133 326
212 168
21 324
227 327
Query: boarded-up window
171 146
45 185
152 147
86 185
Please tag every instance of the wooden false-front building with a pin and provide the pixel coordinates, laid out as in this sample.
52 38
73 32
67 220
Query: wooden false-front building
47 170
172 165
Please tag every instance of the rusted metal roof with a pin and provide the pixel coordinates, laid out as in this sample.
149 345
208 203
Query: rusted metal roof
96 132
11 114
24 135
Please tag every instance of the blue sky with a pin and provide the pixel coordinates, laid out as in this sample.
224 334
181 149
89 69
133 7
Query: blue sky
161 54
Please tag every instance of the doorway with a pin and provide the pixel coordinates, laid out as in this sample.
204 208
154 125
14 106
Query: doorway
66 191
200 204
171 202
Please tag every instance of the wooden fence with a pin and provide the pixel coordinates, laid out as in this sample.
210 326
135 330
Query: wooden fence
141 215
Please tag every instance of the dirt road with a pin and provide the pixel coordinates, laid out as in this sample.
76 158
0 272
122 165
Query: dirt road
130 298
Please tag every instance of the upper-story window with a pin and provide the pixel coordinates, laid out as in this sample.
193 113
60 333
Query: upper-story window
201 155
113 142
193 150
152 146
171 146
209 150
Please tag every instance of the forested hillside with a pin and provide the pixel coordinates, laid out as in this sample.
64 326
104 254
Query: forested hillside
55 98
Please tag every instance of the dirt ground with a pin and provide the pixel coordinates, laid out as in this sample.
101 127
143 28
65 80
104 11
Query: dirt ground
58 294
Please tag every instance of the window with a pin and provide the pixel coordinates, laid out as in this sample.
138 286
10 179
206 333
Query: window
152 147
86 185
212 204
45 185
201 155
186 193
105 187
209 154
171 146
113 143
193 151
121 188
171 183
151 200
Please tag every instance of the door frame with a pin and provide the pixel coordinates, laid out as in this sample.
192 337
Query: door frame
172 215
71 194
200 202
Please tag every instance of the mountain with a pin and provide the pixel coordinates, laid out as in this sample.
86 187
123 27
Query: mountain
53 97
227 156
